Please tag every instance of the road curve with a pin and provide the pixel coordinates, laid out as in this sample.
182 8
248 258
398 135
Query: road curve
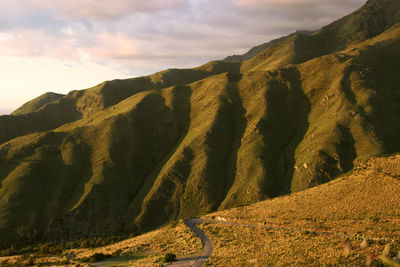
207 247
207 244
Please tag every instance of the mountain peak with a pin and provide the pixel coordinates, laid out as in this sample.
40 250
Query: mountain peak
37 103
373 18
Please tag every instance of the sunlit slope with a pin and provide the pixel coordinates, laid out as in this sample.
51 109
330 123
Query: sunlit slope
223 141
370 20
42 114
358 205
362 202
37 103
355 111
253 51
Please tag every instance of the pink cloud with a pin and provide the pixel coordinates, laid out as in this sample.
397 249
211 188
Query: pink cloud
104 9
134 34
293 3
36 43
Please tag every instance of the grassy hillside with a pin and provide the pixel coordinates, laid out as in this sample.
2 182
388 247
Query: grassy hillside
44 113
361 204
372 19
253 51
37 103
131 155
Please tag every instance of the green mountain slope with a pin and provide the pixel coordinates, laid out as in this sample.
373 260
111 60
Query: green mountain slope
373 18
37 103
253 51
131 155
79 104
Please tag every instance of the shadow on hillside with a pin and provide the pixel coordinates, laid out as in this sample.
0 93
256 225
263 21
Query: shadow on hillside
284 127
240 125
223 142
185 261
139 210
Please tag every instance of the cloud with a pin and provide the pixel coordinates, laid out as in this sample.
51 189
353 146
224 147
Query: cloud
104 9
140 37
298 9
294 4
129 29
19 14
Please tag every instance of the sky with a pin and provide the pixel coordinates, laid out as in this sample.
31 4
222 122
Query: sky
65 45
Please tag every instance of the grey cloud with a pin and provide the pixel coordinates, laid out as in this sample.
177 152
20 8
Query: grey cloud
170 33
297 9
104 9
20 14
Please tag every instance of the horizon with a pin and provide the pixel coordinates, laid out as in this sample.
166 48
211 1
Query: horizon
5 111
59 47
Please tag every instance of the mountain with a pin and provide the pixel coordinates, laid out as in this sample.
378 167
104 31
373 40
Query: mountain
253 51
37 103
81 104
131 155
372 19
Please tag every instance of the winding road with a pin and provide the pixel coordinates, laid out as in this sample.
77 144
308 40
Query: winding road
198 261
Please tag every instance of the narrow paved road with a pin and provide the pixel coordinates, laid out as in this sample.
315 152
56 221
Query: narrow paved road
207 247
207 244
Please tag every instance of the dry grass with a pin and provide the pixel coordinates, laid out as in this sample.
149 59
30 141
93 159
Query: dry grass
362 204
246 246
365 201
144 250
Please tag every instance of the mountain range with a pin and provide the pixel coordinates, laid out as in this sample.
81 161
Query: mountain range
132 155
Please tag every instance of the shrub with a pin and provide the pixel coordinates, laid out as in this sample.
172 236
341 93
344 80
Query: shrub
169 257
9 251
95 257
116 253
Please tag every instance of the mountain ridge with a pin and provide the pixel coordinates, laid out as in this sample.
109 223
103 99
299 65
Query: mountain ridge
37 103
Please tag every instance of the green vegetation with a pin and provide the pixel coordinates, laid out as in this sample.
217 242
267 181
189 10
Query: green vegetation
372 19
37 103
50 111
128 156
